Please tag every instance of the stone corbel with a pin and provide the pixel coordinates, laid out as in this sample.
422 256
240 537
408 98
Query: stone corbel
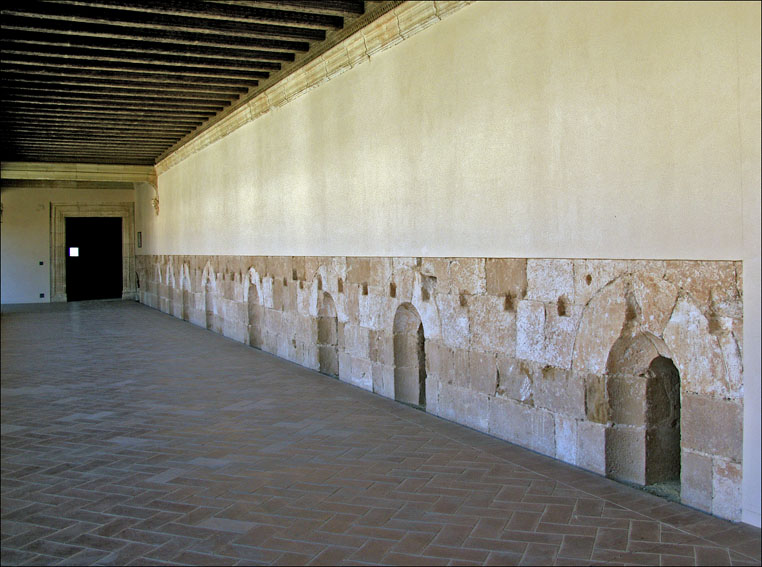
154 182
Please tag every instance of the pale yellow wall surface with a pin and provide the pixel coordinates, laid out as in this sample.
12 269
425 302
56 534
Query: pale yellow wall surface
594 130
25 237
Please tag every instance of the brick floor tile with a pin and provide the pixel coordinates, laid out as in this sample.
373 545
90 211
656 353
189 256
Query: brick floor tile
711 556
539 554
503 558
405 559
332 555
229 455
577 547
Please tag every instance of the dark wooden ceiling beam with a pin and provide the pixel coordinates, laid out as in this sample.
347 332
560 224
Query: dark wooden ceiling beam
337 7
142 19
128 130
173 37
97 54
126 110
88 118
71 62
216 11
133 46
77 99
178 78
110 93
43 81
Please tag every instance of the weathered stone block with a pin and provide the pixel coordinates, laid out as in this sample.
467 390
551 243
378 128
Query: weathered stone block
493 329
547 280
436 267
726 482
712 426
697 353
560 332
627 399
454 320
467 276
515 379
696 480
380 272
726 331
566 439
596 400
506 276
599 328
362 373
590 276
357 341
482 372
591 446
523 425
705 280
375 311
626 453
383 379
656 298
559 391
438 359
358 270
530 331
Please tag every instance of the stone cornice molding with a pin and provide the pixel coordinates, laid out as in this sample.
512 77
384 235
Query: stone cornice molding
395 26
40 171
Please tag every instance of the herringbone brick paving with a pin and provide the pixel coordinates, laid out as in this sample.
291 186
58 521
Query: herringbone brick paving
129 437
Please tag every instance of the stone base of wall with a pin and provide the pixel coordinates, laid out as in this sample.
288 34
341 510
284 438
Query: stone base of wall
552 354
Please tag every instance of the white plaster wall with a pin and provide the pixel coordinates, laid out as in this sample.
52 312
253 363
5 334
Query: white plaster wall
532 130
597 130
25 237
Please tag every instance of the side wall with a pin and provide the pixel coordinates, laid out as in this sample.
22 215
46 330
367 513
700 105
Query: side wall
509 130
25 236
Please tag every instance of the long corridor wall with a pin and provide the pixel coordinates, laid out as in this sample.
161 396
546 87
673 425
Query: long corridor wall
506 130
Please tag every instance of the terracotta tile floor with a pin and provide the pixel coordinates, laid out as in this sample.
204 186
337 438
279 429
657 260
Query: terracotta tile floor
130 437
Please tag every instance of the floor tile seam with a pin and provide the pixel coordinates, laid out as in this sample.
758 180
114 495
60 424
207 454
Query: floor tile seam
545 476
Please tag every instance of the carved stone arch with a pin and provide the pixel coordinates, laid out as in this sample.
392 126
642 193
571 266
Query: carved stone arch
643 386
187 294
328 335
209 280
254 309
409 356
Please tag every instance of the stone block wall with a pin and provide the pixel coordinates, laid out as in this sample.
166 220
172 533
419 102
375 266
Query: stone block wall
552 354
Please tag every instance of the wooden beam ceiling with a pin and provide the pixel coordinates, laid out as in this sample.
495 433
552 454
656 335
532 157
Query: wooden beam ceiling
124 81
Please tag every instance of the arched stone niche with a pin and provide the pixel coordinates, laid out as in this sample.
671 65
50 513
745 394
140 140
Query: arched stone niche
409 356
328 336
643 436
212 318
254 316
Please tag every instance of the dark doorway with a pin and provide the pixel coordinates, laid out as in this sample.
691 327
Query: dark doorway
93 258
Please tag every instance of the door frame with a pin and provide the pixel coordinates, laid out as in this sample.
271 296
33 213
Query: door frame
58 214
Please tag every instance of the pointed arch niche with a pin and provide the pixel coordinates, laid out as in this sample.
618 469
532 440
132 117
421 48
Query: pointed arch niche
409 357
59 212
328 337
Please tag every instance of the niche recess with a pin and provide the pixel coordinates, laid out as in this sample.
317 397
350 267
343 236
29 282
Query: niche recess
409 357
643 437
328 337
